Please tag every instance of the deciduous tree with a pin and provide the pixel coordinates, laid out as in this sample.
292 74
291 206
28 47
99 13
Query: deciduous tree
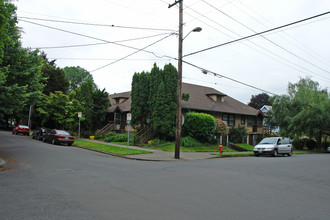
304 111
257 101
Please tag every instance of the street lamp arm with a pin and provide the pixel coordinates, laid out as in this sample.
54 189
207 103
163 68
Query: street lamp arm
196 29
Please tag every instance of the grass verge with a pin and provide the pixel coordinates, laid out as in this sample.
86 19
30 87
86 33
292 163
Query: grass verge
170 147
108 148
246 147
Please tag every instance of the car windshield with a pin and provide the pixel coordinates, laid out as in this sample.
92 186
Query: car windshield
63 132
268 141
23 126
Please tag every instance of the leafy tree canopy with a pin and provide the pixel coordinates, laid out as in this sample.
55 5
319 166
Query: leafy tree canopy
20 69
304 111
76 76
55 79
257 101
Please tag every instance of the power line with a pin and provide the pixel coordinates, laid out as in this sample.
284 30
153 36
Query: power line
99 25
257 34
142 49
293 65
95 44
94 38
276 44
311 52
101 59
205 71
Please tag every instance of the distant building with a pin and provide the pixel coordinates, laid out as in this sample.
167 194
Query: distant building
269 129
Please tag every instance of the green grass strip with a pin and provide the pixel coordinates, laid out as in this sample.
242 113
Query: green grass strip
170 146
235 153
108 148
246 146
300 152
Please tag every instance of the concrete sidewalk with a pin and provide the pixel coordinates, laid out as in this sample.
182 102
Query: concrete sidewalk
158 155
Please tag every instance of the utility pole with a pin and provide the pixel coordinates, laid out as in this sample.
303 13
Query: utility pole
179 87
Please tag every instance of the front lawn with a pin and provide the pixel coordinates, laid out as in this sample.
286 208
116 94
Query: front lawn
245 146
108 148
204 147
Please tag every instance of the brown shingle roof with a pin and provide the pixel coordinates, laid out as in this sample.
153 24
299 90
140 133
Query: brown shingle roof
124 106
199 100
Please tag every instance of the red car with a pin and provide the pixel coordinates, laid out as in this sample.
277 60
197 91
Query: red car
23 129
58 136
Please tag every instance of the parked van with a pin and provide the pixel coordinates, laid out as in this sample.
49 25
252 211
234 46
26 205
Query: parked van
273 146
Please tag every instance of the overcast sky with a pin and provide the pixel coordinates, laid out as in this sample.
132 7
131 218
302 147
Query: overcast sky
111 54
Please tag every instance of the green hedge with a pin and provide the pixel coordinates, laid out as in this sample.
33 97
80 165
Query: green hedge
200 126
114 137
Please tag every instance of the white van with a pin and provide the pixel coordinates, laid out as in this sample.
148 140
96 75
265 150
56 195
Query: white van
273 146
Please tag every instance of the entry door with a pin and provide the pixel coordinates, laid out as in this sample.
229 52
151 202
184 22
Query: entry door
117 121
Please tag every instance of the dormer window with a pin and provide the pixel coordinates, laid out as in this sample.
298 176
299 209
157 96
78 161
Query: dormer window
120 100
216 97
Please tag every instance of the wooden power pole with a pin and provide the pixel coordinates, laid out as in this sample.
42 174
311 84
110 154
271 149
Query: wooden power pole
179 87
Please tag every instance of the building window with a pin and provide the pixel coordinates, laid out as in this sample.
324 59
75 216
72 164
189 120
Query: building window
242 119
259 122
229 119
251 121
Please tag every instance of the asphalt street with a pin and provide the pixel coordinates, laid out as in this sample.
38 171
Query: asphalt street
59 182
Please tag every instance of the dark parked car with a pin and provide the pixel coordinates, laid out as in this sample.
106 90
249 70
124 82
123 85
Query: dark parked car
40 133
58 136
21 129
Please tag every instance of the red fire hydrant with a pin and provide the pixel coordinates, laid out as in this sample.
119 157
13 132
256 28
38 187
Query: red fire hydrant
220 149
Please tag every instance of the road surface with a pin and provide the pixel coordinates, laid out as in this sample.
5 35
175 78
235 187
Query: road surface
60 182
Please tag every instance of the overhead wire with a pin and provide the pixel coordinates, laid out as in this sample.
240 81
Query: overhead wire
204 70
271 41
94 44
307 50
95 38
260 33
289 63
98 25
142 49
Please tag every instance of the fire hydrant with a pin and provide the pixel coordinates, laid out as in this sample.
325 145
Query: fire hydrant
220 149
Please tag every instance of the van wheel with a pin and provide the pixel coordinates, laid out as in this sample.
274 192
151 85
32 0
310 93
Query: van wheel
274 153
289 154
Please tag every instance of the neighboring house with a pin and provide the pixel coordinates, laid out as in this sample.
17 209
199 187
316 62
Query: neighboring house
201 99
268 129
266 108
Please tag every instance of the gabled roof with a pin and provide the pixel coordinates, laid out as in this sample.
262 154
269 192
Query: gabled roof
199 100
124 106
266 108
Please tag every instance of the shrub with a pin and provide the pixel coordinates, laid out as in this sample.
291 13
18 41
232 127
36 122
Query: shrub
189 142
114 137
222 127
325 145
98 136
85 134
311 144
199 125
155 141
298 144
237 134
